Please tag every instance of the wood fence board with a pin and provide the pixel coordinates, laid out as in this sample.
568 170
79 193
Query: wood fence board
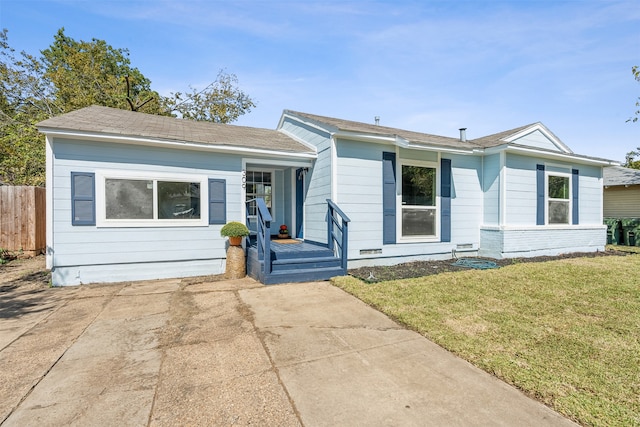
23 219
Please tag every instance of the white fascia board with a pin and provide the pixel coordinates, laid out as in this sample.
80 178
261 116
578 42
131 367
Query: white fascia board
401 142
308 122
545 131
184 145
543 154
278 163
365 137
441 149
299 140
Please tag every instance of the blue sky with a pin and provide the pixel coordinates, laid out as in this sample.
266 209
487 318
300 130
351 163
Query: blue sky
427 66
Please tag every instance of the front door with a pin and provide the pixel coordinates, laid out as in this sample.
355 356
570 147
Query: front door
300 174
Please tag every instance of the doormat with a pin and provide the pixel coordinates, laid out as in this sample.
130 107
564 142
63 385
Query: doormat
286 241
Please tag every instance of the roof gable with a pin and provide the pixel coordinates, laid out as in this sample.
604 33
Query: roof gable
535 135
112 122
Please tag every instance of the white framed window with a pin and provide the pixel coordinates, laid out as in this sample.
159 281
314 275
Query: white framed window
419 207
136 199
260 184
558 198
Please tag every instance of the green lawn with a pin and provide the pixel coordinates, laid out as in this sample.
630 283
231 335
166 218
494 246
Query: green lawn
566 332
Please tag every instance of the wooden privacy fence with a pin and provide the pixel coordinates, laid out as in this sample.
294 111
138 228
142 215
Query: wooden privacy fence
23 219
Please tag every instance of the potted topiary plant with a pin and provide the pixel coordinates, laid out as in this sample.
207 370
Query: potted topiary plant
235 231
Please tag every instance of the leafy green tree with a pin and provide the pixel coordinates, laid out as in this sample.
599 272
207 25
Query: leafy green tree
221 101
25 99
94 73
636 75
630 161
74 74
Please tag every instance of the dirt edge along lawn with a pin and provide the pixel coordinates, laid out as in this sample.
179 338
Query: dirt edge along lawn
565 331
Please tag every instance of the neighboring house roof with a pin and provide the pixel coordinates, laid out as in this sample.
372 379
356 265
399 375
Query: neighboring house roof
618 175
105 121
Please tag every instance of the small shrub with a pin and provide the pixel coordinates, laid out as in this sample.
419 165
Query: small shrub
234 229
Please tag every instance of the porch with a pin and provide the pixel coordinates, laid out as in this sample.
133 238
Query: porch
273 261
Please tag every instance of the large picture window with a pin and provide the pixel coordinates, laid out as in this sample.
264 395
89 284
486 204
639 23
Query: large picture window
140 200
558 199
419 210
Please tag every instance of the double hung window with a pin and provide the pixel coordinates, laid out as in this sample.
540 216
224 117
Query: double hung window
558 199
419 210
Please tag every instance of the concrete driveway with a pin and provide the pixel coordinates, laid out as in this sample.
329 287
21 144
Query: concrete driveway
179 352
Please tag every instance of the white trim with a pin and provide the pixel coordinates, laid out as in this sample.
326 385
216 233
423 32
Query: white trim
542 154
399 206
103 222
276 163
294 198
49 201
548 199
334 169
542 228
274 191
502 190
307 122
398 141
298 139
184 145
546 132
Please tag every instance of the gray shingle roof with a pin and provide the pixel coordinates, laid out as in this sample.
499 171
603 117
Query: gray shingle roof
618 175
115 122
372 129
499 138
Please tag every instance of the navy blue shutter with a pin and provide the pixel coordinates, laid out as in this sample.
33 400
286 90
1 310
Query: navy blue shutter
83 198
574 195
217 201
445 200
541 192
389 198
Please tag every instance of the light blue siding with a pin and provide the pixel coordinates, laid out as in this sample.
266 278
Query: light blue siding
85 254
539 241
466 199
359 183
422 155
538 140
520 186
591 195
288 199
491 187
317 181
521 190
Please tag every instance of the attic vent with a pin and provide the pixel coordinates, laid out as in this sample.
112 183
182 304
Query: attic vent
463 134
377 119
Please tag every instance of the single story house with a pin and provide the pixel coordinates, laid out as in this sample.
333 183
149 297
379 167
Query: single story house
621 192
132 196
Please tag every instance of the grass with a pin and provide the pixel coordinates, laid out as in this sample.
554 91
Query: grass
566 332
630 249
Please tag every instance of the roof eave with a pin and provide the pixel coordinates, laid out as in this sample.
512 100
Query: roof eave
551 155
184 145
401 142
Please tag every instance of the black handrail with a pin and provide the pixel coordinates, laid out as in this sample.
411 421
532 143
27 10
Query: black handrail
338 232
263 231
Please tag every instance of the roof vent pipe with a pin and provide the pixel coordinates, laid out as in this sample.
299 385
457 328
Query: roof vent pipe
463 134
377 118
